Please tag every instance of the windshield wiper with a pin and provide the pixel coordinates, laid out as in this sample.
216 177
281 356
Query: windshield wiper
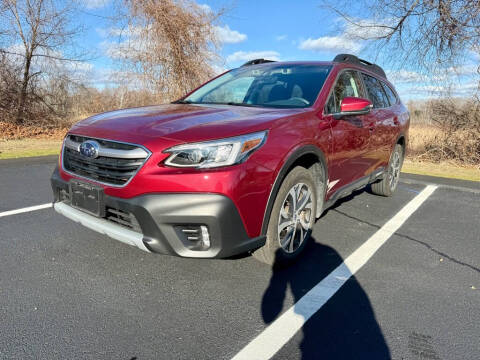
241 104
182 102
214 103
230 103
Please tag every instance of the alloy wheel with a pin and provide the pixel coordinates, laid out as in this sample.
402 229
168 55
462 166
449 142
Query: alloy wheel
295 219
394 171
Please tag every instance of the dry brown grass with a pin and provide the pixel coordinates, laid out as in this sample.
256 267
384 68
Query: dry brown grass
9 131
419 136
426 142
446 130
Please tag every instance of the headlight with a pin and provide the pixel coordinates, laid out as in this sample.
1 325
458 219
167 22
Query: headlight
215 153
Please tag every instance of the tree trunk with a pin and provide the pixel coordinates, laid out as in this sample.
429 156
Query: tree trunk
22 97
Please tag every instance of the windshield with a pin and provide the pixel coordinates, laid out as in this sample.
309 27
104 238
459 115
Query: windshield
272 85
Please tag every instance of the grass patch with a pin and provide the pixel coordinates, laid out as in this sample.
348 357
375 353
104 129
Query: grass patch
443 169
10 149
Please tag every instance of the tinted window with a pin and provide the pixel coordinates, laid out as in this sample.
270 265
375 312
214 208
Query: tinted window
375 92
347 85
391 95
268 85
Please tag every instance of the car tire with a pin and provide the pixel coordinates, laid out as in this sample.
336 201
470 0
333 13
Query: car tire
291 219
387 185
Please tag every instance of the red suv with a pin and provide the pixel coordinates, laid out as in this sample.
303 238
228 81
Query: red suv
244 163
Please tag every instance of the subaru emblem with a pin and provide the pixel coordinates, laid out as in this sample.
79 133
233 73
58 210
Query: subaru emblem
89 149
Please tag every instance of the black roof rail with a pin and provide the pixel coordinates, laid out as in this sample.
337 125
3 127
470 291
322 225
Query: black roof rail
352 59
257 61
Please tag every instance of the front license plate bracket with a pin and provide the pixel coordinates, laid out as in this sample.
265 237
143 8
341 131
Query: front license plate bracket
87 197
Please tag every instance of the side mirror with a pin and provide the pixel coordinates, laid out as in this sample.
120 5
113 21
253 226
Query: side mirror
353 106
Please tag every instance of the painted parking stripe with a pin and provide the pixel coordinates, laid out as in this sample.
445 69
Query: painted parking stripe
277 334
27 209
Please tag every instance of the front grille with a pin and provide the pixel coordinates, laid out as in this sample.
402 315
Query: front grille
123 218
105 143
103 169
116 164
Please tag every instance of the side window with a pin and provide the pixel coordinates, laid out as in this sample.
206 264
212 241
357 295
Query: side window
391 95
375 92
347 85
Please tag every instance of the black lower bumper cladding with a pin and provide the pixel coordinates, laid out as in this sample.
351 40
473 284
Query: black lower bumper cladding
161 214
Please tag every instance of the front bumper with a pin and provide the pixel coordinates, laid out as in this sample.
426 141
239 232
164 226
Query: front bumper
161 215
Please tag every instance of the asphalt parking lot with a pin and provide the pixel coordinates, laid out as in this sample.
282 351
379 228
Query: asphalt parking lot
69 293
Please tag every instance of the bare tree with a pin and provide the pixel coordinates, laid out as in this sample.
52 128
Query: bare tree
9 79
35 33
432 34
168 45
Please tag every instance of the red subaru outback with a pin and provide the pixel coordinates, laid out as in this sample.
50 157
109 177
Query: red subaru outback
244 163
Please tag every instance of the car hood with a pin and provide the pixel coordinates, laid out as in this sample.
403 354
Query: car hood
179 123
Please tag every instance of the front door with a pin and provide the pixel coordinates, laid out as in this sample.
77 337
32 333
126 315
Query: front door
348 159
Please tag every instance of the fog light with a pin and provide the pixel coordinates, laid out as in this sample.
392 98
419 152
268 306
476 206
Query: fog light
195 237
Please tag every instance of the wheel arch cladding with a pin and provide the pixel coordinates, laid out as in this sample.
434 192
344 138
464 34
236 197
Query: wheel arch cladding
401 140
309 157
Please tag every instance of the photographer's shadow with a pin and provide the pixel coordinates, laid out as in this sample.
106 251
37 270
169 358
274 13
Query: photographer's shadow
344 328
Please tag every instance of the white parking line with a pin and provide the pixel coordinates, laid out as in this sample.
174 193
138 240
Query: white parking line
24 210
277 334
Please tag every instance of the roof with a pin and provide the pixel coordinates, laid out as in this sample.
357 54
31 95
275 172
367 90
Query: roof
341 58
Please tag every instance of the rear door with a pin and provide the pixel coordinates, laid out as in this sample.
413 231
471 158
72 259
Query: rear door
392 126
378 121
350 134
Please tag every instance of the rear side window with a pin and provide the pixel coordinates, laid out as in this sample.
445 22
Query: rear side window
347 85
375 92
390 94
